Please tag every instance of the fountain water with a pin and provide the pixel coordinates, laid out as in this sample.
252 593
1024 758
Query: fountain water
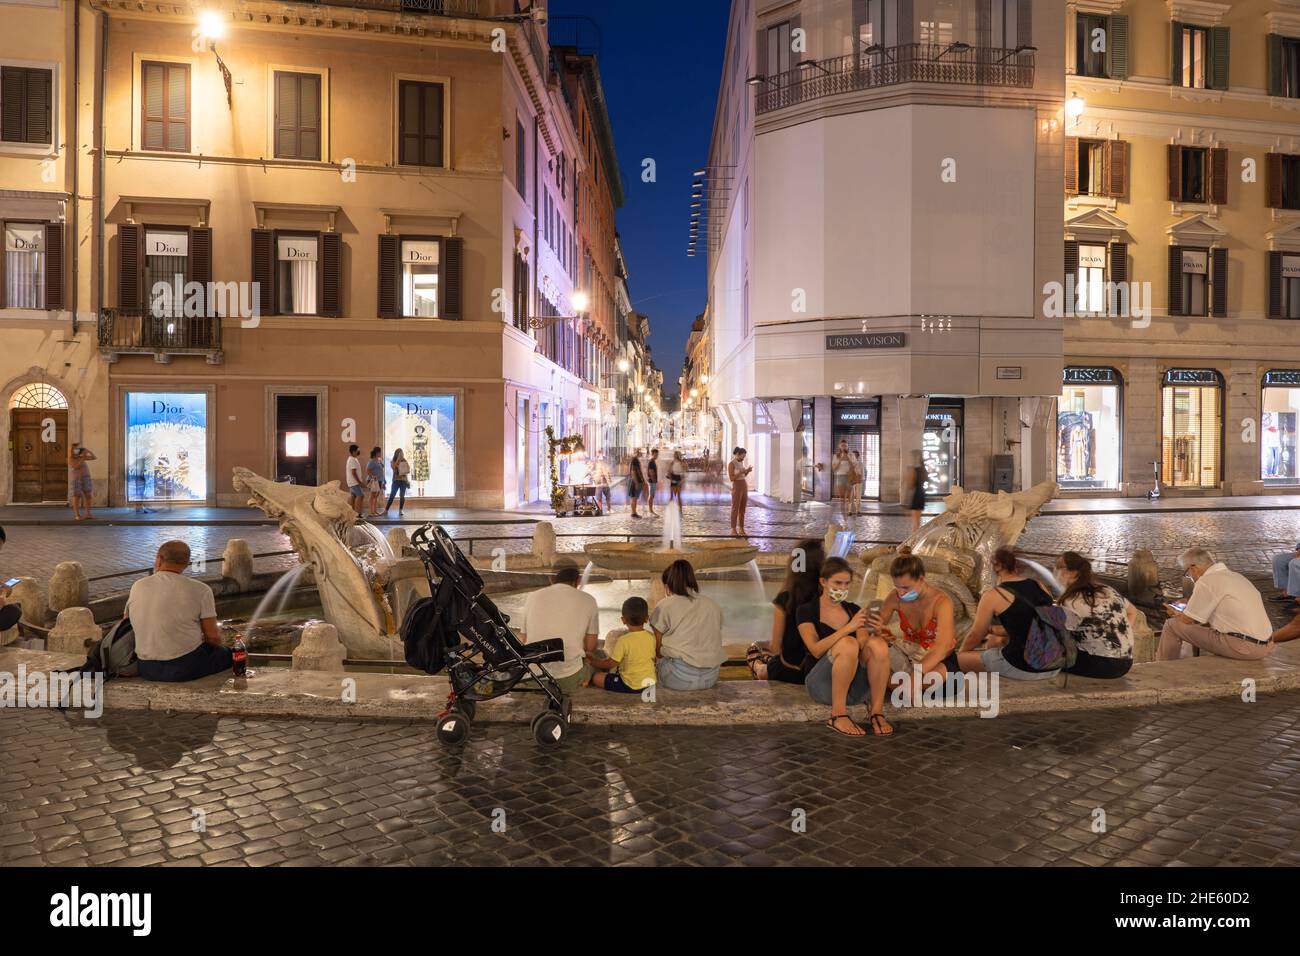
672 537
277 596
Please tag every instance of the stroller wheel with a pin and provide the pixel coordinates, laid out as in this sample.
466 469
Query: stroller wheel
453 729
549 728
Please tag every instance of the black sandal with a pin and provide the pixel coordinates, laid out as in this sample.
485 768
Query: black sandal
831 724
876 733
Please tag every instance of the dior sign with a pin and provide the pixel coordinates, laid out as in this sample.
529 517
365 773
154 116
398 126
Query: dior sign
25 239
167 244
866 340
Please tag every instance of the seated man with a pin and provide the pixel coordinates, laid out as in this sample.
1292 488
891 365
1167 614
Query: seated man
1286 574
563 611
175 621
1225 614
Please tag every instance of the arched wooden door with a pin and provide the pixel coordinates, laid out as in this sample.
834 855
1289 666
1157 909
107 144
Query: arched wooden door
38 433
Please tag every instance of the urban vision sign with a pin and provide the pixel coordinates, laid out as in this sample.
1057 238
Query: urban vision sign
866 340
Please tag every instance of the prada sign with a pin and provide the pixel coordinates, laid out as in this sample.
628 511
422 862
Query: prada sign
866 340
1194 262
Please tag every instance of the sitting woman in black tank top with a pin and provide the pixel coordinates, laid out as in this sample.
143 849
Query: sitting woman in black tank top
1014 603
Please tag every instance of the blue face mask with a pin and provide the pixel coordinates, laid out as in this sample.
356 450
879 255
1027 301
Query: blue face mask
910 596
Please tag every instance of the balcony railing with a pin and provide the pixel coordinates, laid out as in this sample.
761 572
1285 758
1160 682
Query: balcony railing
441 8
124 333
910 63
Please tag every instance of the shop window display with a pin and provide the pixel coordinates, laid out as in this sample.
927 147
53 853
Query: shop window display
166 446
1088 437
1281 412
424 427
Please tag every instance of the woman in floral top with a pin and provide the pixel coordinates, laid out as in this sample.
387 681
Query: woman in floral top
1099 618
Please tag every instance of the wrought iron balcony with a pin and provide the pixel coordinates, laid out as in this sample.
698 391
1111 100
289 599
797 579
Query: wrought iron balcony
889 66
128 333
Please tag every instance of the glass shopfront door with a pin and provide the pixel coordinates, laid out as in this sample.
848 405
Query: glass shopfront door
941 446
807 459
1088 430
1280 411
858 423
1191 428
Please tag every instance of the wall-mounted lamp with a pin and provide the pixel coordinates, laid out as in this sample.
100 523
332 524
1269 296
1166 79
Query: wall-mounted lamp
212 27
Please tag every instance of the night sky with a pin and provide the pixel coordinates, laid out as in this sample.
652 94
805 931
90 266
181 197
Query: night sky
660 64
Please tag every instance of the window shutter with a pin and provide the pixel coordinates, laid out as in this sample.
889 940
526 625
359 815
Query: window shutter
130 236
329 299
1275 285
200 259
390 254
1071 274
451 278
165 107
906 23
1219 51
1117 47
12 98
286 116
1176 53
1219 176
1175 172
1175 280
1119 262
264 269
1071 165
1219 281
1025 22
760 53
1274 64
54 266
1273 179
1116 160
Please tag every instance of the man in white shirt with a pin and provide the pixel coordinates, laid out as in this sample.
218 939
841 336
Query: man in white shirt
175 621
1225 615
562 611
354 478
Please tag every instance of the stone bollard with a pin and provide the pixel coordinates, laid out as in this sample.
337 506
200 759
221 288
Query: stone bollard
73 631
28 594
833 529
237 563
319 649
1143 578
1144 640
544 542
399 541
68 586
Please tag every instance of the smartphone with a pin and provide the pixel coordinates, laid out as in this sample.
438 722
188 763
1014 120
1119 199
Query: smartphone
1179 606
12 581
873 610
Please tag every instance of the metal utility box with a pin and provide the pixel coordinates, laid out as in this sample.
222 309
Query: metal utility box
1004 472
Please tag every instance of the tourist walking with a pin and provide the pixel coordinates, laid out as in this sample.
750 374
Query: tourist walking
81 488
676 478
1098 617
855 484
1225 615
688 628
375 480
401 482
635 481
604 498
652 480
916 479
846 664
784 656
738 475
1003 618
354 479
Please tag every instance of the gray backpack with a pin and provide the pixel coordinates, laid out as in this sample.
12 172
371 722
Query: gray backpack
114 654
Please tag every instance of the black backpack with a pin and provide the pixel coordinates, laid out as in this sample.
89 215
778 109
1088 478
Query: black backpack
112 655
431 628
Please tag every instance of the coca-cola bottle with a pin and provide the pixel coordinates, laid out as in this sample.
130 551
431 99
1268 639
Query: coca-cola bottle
240 657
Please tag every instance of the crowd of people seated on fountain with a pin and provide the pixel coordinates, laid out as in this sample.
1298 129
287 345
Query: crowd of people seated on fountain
688 630
174 618
783 658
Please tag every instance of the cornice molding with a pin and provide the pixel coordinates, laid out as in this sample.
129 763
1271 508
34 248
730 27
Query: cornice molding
1200 12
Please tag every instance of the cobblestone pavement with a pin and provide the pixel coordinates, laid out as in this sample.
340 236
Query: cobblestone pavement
1246 539
1204 784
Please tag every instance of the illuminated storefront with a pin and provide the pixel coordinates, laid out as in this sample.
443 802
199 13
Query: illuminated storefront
1191 428
1280 405
941 445
424 427
1088 429
167 446
807 455
858 423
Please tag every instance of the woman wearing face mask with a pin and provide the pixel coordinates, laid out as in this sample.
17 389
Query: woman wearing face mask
845 664
924 614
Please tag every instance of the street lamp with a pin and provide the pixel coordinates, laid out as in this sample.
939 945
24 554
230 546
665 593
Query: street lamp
212 27
622 365
579 300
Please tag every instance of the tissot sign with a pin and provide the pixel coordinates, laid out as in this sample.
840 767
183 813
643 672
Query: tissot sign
866 340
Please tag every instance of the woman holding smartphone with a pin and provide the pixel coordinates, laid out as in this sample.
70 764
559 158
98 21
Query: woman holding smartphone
80 486
925 616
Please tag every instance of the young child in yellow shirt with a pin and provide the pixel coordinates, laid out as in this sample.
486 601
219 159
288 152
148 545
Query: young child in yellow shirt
634 654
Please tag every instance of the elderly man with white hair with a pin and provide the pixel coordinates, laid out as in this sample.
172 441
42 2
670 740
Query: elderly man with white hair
1225 615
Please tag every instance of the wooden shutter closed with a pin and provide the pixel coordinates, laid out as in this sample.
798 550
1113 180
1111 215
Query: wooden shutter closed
165 106
200 261
451 279
1071 165
1025 23
130 279
1274 64
1273 179
263 270
1175 280
13 101
1219 282
1275 285
1176 53
390 255
1219 176
330 275
1219 51
27 102
1119 262
1115 161
1071 273
54 266
983 23
1175 172
1117 47
297 116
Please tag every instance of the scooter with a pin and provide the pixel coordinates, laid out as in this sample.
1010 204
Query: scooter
1154 493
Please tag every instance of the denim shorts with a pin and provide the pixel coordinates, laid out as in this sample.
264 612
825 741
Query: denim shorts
676 674
993 662
818 682
358 491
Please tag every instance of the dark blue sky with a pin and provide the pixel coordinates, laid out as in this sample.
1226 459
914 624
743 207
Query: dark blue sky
660 64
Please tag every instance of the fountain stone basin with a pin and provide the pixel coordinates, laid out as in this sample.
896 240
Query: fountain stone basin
703 555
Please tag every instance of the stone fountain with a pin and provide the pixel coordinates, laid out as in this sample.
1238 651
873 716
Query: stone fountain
350 577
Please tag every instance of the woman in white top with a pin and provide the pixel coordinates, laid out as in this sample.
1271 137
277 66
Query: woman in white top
401 482
842 470
855 484
1099 619
688 632
676 478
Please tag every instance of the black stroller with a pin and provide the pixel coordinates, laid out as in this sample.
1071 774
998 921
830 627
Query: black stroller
492 662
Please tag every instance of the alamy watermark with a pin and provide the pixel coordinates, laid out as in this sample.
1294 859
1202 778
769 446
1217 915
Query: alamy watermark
57 689
207 300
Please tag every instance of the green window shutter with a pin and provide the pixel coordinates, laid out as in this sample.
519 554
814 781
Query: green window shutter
1274 64
1117 47
1220 46
1176 53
